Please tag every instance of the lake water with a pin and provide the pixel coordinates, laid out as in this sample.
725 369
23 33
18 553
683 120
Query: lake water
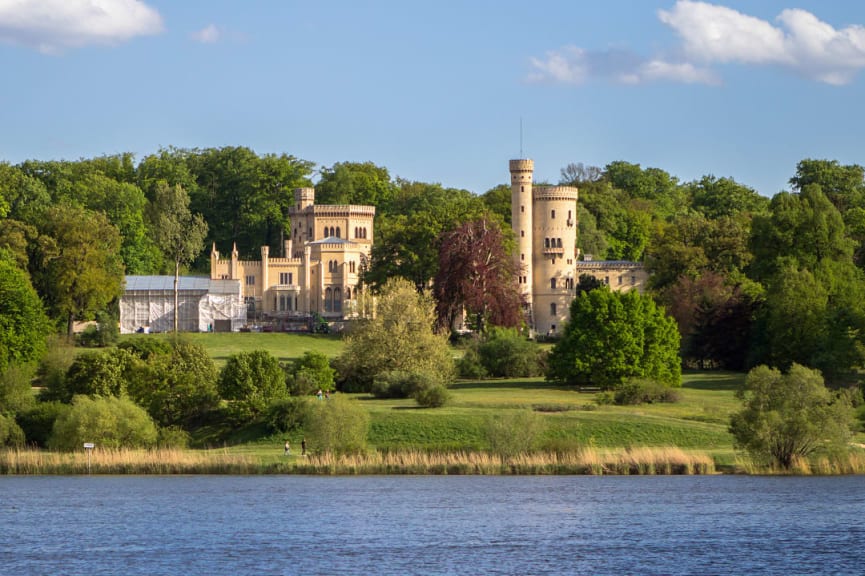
432 525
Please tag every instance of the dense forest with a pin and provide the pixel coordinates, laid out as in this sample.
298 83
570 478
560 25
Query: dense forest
749 280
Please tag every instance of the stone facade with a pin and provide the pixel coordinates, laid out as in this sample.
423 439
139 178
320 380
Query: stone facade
544 220
327 249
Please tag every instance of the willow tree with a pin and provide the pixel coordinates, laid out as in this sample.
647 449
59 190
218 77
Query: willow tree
177 232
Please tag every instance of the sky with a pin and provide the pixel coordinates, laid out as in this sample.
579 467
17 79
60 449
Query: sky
442 91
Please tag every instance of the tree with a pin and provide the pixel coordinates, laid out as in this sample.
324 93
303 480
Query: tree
355 183
844 186
789 416
99 374
16 394
338 426
477 274
179 388
505 353
400 337
719 197
78 270
108 422
612 337
250 381
498 202
309 373
177 232
23 324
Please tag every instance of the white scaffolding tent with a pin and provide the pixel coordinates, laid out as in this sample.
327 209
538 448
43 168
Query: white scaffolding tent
204 305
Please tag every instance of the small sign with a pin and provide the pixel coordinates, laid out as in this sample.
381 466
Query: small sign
89 445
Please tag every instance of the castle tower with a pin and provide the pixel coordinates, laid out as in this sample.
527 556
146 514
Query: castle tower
521 220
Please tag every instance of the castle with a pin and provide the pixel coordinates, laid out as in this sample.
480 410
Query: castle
329 247
320 271
544 220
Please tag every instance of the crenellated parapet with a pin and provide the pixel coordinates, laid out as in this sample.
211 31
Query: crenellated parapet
551 193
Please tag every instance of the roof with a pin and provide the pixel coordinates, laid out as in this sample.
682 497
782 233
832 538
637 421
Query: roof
187 284
608 264
332 240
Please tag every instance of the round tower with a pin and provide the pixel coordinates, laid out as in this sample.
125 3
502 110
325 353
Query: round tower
522 172
555 240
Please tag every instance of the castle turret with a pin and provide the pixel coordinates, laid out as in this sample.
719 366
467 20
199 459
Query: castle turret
521 220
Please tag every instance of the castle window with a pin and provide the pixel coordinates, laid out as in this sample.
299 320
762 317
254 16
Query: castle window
285 278
522 256
633 280
552 283
552 309
522 233
522 208
546 242
607 280
338 232
620 279
310 232
522 188
250 280
337 300
328 300
558 242
553 214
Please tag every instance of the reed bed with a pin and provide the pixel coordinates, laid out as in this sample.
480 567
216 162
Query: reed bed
122 461
168 461
587 461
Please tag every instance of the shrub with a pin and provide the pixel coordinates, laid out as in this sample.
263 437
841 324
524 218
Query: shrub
10 433
99 374
51 373
504 353
16 395
470 366
145 346
639 391
338 426
515 433
38 422
172 437
434 396
288 414
105 332
403 384
106 421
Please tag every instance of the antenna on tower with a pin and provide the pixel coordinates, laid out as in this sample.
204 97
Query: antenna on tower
521 137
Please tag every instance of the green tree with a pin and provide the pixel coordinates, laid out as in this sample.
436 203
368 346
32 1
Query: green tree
355 183
309 373
79 271
250 381
177 389
400 337
338 426
719 197
178 233
23 324
16 394
108 422
844 186
505 353
99 374
498 202
613 337
789 416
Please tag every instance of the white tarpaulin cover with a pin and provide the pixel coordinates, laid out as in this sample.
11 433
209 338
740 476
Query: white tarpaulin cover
204 305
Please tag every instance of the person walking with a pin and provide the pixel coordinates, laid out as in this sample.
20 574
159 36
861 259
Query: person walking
303 447
287 449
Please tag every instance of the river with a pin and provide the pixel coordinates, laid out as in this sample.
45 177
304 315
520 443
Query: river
396 525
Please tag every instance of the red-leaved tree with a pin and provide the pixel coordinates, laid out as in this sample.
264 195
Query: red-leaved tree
477 274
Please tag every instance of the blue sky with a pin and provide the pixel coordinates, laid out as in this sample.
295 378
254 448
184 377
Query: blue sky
436 90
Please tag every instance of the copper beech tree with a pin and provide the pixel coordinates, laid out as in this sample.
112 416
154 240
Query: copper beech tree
477 275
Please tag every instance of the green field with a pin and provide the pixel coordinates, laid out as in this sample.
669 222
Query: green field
572 418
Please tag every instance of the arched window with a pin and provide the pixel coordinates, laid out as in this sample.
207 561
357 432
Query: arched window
348 293
337 300
552 283
328 300
338 232
546 242
558 242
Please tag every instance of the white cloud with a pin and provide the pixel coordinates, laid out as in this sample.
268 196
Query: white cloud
51 26
800 42
208 35
713 34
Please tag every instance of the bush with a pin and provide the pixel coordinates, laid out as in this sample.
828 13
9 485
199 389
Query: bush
108 422
104 333
10 433
504 353
16 394
288 414
51 374
470 366
145 346
338 426
38 422
99 374
402 384
434 396
515 432
172 437
639 391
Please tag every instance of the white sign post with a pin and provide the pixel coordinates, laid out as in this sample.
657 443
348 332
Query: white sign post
89 447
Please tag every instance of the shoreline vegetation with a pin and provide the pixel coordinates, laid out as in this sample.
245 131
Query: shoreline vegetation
589 461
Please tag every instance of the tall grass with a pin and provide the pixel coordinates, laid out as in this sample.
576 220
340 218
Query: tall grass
167 461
